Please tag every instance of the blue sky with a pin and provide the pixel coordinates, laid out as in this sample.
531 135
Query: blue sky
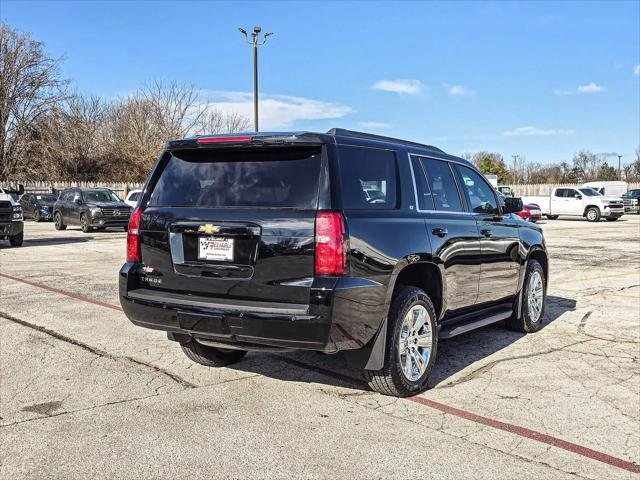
539 79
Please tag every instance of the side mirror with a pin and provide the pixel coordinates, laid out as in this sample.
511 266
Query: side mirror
512 205
20 189
577 196
77 201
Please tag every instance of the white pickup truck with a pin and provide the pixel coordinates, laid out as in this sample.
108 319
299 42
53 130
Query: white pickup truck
578 202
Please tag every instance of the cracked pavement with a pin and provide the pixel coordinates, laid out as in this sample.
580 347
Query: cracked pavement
84 393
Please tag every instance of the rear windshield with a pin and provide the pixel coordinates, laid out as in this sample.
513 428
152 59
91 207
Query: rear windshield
268 178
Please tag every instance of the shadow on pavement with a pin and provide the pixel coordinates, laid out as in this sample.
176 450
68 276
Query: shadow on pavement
454 355
43 241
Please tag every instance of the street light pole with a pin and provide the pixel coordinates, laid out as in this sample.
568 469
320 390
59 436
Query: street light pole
619 167
255 43
515 167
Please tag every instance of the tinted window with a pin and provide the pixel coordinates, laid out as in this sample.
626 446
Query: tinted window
479 193
134 197
443 186
561 192
45 197
425 201
368 178
269 177
91 196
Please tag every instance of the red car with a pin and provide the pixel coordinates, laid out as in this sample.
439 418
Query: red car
530 212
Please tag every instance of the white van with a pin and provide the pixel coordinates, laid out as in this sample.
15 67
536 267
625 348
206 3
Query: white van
611 189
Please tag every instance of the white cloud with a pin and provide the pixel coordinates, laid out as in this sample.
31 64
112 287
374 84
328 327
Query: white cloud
375 125
588 88
277 111
458 91
401 86
536 132
636 70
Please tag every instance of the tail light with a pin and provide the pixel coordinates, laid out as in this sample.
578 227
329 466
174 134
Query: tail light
133 236
331 244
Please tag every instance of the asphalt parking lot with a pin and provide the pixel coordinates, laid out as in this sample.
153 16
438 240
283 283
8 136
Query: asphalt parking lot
83 393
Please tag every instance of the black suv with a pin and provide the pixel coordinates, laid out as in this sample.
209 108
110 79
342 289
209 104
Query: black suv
332 242
38 206
90 208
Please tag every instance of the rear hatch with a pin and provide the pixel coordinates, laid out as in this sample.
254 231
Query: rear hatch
233 223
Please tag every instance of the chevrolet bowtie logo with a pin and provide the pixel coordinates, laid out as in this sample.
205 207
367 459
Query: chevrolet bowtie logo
208 228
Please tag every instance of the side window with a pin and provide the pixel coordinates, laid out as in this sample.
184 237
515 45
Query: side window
561 192
571 193
76 196
368 178
480 196
443 186
423 192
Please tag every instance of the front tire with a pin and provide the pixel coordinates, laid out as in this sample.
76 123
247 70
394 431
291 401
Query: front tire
210 356
411 345
593 214
84 223
17 240
534 298
59 224
36 216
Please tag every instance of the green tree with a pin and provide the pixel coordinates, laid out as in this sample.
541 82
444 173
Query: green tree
492 163
607 172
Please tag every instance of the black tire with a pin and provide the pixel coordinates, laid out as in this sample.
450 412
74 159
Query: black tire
211 356
527 323
390 380
612 219
84 224
17 240
58 223
592 214
552 217
36 216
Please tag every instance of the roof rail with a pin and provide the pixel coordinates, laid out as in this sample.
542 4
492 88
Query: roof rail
350 133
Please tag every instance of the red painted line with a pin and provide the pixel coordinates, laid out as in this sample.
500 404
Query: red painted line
62 292
531 434
472 417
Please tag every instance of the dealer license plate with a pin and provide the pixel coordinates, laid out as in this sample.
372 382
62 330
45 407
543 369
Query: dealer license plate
215 248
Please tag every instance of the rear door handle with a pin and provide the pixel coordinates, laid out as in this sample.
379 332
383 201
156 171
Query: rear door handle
486 232
440 232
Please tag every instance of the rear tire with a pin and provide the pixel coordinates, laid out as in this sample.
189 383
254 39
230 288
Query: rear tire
411 346
533 289
593 214
552 217
210 356
17 240
59 224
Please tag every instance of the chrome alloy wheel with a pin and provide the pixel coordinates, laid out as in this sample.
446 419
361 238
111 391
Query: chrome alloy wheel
535 296
591 215
414 343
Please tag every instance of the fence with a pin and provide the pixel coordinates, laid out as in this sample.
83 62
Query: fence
121 189
546 188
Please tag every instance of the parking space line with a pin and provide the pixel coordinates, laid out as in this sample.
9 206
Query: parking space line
62 292
464 414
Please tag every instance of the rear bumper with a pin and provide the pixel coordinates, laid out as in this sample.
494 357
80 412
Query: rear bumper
336 317
11 229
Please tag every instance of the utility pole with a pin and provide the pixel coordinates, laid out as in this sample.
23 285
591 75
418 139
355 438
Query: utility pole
619 167
255 43
515 167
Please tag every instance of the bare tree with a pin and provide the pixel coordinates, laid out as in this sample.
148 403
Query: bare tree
215 121
30 87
